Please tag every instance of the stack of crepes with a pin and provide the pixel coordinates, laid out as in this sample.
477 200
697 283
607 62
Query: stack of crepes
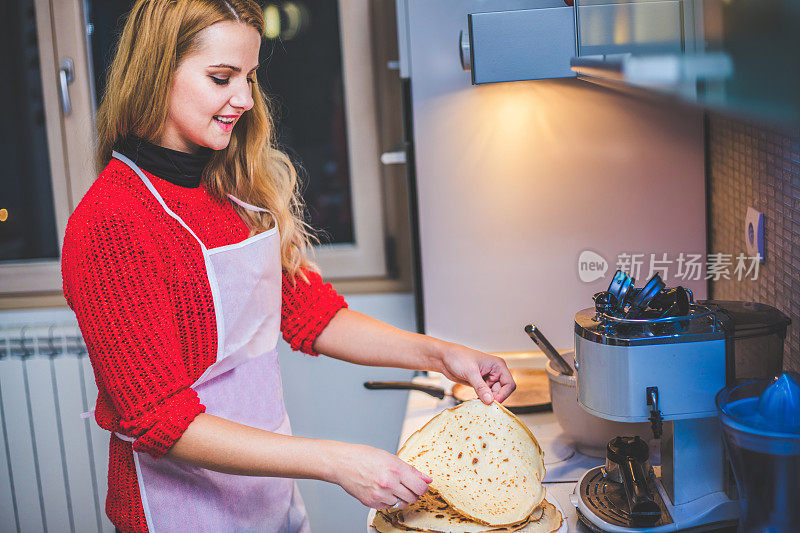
487 471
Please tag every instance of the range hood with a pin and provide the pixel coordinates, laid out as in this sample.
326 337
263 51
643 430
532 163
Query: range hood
735 56
498 45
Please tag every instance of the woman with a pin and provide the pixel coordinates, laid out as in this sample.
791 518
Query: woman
184 263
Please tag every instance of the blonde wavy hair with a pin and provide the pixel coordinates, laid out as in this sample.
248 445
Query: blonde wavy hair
157 35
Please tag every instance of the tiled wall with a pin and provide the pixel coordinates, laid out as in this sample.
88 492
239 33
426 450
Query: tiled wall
750 165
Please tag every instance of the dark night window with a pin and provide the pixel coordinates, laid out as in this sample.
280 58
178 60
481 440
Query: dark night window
27 213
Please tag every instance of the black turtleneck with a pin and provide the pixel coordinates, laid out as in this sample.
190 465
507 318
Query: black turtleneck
176 167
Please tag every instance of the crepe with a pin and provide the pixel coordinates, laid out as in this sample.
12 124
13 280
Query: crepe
432 513
483 460
549 520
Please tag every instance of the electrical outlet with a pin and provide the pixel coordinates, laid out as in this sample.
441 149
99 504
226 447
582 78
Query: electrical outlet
754 233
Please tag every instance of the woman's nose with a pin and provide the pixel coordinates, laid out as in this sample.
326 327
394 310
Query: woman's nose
243 97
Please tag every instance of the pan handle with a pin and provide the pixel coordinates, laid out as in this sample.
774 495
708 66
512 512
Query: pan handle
436 392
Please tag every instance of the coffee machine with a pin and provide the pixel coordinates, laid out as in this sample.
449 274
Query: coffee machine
654 355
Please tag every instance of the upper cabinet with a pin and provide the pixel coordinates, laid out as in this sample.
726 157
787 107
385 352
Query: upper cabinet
738 56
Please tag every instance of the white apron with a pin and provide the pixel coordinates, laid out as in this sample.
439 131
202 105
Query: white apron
244 385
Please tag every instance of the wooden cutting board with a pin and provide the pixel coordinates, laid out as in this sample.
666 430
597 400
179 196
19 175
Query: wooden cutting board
533 390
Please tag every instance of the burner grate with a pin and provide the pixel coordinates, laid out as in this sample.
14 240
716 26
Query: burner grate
607 500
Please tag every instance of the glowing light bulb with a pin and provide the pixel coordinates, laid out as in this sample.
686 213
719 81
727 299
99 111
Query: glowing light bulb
3 215
272 21
297 18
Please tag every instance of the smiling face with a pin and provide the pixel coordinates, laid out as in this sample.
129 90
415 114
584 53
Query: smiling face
211 88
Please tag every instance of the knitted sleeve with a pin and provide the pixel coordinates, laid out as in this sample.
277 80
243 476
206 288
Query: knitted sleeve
307 308
111 268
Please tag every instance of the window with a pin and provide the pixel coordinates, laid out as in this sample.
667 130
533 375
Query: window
27 217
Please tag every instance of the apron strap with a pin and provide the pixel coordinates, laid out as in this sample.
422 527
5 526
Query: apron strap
251 207
90 413
124 437
155 193
247 206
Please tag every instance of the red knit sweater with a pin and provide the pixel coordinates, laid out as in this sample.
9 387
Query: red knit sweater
137 283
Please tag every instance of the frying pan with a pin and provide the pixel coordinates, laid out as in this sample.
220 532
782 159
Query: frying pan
532 394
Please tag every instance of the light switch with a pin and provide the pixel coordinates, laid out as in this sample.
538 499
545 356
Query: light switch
754 233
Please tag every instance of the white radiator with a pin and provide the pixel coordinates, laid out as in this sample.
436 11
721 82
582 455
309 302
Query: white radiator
53 463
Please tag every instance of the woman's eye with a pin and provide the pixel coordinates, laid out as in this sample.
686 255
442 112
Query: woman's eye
219 81
251 80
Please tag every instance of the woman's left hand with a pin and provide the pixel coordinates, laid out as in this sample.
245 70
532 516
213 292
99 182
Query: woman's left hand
487 374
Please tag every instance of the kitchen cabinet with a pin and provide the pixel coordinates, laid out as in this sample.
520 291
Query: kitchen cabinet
738 57
735 56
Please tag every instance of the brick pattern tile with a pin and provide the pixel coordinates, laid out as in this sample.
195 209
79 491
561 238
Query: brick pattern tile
750 165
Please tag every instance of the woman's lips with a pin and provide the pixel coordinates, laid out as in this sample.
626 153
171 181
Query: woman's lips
225 122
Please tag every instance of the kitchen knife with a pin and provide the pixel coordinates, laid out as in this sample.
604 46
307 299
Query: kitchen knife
558 362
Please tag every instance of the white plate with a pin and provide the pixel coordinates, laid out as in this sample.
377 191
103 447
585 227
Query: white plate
564 525
370 518
563 529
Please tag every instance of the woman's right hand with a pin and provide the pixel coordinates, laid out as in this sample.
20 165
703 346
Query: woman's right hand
377 478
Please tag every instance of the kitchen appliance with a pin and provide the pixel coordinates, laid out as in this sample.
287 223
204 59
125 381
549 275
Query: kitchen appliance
665 369
756 338
499 45
761 423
